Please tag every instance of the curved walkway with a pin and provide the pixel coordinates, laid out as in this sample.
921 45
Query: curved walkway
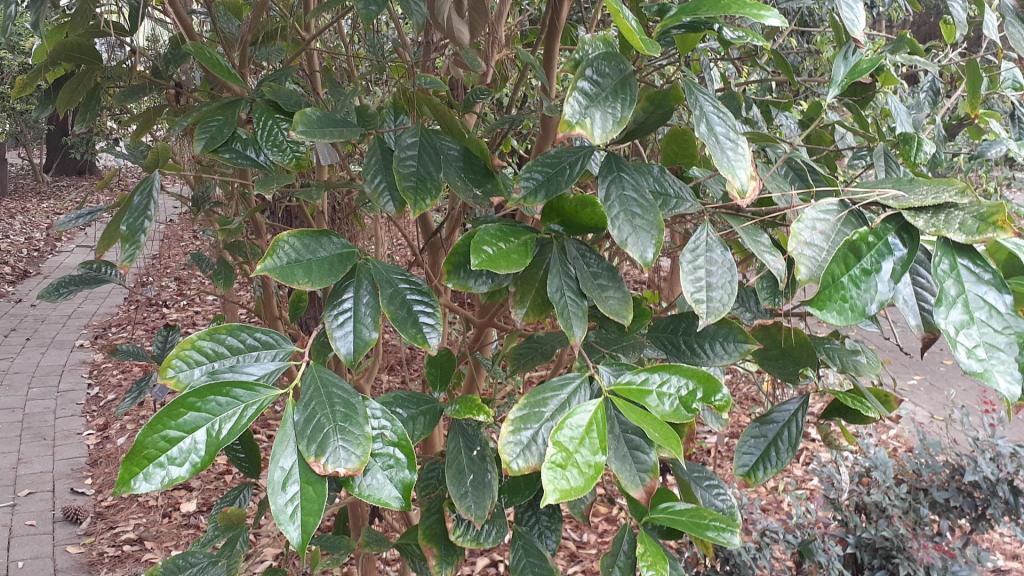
42 389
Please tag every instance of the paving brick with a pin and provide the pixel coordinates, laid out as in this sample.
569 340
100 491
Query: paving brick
29 547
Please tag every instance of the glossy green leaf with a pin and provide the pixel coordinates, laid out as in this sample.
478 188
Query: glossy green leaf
862 276
698 521
817 233
771 441
409 304
316 125
418 412
79 217
527 558
854 18
552 174
620 559
184 437
332 426
489 535
973 79
297 495
271 131
634 218
417 167
903 193
66 287
469 407
138 218
672 195
216 124
442 555
854 407
575 214
632 457
379 183
760 244
719 130
439 369
529 300
576 454
701 486
502 248
654 109
970 223
76 88
660 433
564 293
220 347
708 275
215 63
651 559
673 392
694 9
458 274
915 299
524 433
720 344
600 281
786 352
631 28
245 454
533 351
974 309
352 315
298 303
850 66
601 98
847 356
470 471
390 475
135 394
76 50
307 258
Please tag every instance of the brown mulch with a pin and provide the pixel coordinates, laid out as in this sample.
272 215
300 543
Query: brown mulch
27 214
126 535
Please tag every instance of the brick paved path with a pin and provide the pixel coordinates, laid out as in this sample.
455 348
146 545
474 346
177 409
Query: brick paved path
42 389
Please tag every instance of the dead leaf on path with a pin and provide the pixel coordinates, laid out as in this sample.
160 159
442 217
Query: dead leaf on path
189 506
74 549
31 523
25 492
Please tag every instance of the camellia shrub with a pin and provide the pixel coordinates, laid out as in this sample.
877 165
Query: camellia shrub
584 215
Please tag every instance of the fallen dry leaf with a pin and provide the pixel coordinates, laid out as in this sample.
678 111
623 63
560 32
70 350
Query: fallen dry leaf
74 549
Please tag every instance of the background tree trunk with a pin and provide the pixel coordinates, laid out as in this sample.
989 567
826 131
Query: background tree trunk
4 184
59 158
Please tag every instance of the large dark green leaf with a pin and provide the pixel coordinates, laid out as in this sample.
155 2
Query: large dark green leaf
850 66
503 248
184 437
524 433
575 214
700 485
695 9
470 471
316 125
967 223
634 217
213 61
817 233
576 454
906 193
533 351
77 50
297 495
659 432
720 344
760 244
974 310
601 98
564 293
458 273
620 559
220 347
332 426
418 412
464 533
417 166
529 300
771 440
654 109
600 281
271 130
631 456
352 315
651 559
672 194
709 276
673 392
409 304
915 299
786 352
543 523
527 558
552 173
861 278
390 475
65 287
307 258
138 218
719 130
216 125
244 454
442 555
379 183
698 521
847 356
631 28
80 217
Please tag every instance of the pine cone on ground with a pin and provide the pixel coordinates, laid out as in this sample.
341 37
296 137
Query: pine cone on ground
74 513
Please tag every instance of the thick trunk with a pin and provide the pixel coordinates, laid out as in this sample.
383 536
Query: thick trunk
4 184
60 161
